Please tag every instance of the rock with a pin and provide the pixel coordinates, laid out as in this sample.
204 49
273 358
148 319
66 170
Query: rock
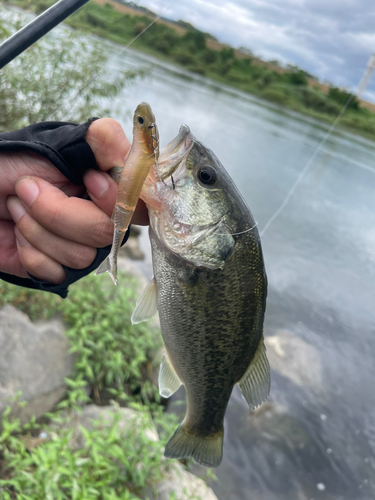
34 359
125 264
183 484
132 250
295 359
274 422
130 420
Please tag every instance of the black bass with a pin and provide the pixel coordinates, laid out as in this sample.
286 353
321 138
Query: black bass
143 154
210 289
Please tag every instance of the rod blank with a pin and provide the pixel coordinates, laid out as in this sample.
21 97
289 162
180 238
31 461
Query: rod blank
37 28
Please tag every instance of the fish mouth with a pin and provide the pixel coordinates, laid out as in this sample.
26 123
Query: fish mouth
173 153
194 233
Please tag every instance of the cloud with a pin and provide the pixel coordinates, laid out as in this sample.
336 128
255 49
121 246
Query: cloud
331 39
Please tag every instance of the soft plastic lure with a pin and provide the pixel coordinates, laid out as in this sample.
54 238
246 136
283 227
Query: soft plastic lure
143 154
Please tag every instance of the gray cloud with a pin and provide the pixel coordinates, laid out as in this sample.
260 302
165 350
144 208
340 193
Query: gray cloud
331 39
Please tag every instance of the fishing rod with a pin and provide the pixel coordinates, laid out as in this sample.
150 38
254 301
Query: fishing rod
38 27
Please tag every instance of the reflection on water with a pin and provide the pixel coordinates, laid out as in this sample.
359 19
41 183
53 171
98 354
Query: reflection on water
315 438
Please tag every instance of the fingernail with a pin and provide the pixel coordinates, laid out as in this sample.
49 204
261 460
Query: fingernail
15 207
97 184
21 241
27 190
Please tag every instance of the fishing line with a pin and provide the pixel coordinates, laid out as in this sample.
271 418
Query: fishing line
95 76
361 87
354 162
236 234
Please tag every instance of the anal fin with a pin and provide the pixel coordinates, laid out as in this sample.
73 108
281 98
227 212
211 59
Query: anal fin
169 381
256 382
146 305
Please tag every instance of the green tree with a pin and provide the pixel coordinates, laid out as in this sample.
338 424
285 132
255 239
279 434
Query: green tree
209 56
61 77
297 77
196 38
341 97
226 54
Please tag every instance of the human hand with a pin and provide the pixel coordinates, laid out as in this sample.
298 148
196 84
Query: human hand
44 220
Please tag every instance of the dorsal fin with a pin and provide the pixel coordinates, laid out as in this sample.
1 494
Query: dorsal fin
256 382
146 305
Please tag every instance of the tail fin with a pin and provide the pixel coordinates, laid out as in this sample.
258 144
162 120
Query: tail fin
109 265
206 450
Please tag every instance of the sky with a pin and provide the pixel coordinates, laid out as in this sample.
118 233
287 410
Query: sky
331 39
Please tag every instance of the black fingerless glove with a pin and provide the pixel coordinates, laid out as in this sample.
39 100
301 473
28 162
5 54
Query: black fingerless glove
64 145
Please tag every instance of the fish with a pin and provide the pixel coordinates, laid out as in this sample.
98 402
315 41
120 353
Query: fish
210 289
143 153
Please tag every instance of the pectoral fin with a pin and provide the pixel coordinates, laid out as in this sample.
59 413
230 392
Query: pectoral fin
146 305
256 382
169 381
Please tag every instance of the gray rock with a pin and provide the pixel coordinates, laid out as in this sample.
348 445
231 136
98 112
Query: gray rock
130 420
125 264
33 359
184 485
132 250
275 423
295 359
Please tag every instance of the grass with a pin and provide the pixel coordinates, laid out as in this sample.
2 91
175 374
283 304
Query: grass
111 355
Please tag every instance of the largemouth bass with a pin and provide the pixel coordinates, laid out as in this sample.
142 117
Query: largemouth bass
210 289
143 154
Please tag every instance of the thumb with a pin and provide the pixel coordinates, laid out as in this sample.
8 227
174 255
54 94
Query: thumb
110 146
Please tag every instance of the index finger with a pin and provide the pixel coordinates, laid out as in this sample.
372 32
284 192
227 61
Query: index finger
72 218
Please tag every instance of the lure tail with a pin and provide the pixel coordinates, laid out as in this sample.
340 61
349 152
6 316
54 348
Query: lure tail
109 265
206 450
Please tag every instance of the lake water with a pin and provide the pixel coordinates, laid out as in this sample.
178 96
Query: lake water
315 437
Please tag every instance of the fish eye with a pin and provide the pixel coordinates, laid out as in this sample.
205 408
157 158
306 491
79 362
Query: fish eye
207 175
140 120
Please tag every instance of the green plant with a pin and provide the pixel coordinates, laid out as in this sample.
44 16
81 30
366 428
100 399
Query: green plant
297 77
316 100
45 81
275 95
341 97
209 56
184 58
113 463
195 38
111 354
